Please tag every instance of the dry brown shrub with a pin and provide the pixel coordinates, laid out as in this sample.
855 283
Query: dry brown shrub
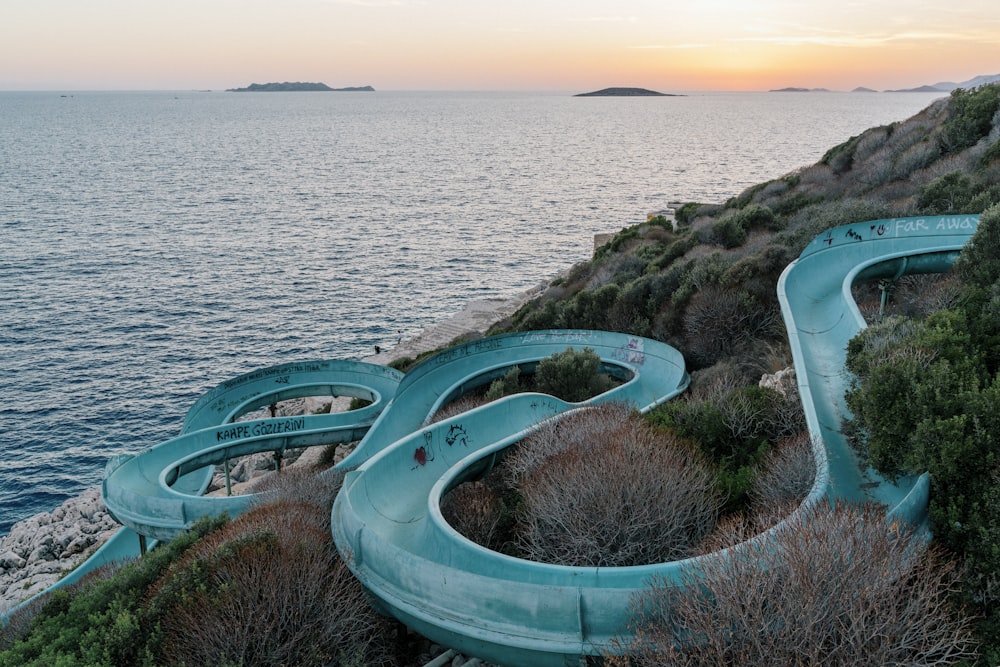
302 485
840 587
920 295
457 407
736 528
718 322
786 476
583 428
621 496
269 589
475 510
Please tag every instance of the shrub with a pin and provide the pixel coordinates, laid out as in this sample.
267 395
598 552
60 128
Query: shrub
786 475
685 214
476 510
581 428
735 429
572 376
457 407
102 622
840 158
719 321
758 216
269 589
728 232
841 588
509 384
979 263
947 194
301 485
617 497
971 116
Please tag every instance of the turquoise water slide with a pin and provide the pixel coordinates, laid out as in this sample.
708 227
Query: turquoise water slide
388 522
387 519
821 317
158 493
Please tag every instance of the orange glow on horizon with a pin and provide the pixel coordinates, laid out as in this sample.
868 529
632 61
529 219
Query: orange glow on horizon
520 45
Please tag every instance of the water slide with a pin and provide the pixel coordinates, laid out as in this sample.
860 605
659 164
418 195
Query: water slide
158 493
387 518
821 317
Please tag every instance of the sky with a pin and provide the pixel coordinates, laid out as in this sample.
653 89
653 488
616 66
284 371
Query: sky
557 45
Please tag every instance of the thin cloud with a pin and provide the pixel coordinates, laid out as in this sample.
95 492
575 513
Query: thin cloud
378 3
606 19
671 46
791 34
859 41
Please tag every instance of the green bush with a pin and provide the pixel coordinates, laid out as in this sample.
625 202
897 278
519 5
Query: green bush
736 429
947 194
572 376
104 622
840 158
509 384
946 420
979 264
686 213
971 116
729 232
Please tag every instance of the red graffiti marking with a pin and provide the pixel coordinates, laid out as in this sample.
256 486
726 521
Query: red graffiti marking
420 456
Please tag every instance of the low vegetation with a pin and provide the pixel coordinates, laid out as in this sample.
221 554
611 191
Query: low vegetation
842 589
265 589
946 420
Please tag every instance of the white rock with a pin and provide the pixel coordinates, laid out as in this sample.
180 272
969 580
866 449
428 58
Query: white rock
49 544
11 560
783 382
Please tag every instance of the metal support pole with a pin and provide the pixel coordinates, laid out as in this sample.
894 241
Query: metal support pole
229 484
142 545
886 286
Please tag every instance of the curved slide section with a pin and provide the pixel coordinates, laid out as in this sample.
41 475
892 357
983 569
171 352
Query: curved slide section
388 524
157 493
821 317
387 518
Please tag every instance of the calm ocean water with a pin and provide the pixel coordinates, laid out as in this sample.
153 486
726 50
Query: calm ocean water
155 244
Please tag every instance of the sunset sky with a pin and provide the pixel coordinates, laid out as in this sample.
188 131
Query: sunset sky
559 45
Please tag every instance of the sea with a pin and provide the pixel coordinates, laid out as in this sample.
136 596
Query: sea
154 244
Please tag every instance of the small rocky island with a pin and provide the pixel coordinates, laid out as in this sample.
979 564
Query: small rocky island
625 92
298 86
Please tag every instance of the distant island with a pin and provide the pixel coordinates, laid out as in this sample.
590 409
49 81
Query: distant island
922 89
297 86
940 87
625 92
